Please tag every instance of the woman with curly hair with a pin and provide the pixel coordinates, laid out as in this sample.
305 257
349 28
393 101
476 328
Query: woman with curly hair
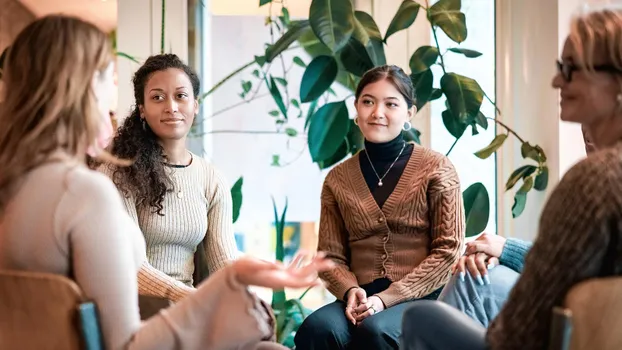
180 201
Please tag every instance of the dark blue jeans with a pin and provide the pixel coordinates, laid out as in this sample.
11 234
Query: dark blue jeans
328 329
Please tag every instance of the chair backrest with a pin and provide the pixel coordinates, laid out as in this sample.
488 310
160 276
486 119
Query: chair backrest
592 316
45 311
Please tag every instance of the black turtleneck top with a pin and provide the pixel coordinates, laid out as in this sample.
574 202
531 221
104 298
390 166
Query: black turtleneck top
382 155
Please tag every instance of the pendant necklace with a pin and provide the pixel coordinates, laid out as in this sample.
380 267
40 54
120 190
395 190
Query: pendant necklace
180 192
392 164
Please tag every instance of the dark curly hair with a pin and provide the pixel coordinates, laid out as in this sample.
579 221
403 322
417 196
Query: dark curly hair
146 179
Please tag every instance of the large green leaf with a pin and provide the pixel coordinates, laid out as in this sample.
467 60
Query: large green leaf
446 15
466 52
367 32
496 143
423 58
367 22
453 124
542 179
318 77
341 153
476 209
520 173
332 22
422 83
404 17
355 58
520 199
276 96
236 198
464 96
532 152
263 2
292 34
355 138
327 129
310 112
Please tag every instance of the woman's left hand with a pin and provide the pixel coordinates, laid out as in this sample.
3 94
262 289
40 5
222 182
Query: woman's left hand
373 306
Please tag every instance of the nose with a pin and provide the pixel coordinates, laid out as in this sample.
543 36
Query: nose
558 81
171 106
378 112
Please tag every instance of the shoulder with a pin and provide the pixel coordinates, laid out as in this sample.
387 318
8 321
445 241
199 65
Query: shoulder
79 180
340 172
433 160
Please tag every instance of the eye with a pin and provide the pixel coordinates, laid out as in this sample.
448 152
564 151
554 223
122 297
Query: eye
368 102
391 104
182 95
157 97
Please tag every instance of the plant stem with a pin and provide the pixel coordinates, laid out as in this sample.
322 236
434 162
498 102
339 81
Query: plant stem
163 26
235 105
498 112
438 47
452 146
305 293
225 79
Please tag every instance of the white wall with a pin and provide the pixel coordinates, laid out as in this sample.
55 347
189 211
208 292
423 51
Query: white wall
138 34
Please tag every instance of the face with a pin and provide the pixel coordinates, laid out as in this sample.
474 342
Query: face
382 112
586 98
104 89
170 104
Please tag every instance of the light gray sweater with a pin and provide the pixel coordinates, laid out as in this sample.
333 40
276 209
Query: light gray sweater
68 220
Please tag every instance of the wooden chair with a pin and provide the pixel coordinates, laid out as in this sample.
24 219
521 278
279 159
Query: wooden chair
45 311
591 317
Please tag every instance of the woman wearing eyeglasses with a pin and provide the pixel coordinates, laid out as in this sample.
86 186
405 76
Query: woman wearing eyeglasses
581 224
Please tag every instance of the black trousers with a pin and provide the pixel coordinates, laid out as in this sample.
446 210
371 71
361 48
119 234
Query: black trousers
328 329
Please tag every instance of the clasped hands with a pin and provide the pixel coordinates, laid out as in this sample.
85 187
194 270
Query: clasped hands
359 306
481 255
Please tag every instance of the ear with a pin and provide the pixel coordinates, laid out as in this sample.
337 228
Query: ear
141 109
196 107
411 112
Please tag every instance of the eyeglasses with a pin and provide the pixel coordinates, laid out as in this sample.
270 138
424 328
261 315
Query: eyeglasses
566 69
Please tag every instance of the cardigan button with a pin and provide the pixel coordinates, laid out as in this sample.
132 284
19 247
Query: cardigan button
384 256
385 238
383 272
380 219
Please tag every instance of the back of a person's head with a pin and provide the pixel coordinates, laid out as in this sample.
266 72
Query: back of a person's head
49 99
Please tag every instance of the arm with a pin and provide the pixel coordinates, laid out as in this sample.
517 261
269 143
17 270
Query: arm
573 238
447 233
107 249
219 242
151 281
513 254
333 240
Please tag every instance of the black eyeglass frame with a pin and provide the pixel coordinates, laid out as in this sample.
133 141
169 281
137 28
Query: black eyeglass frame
566 69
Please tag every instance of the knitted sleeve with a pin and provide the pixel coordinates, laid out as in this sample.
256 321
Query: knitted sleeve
447 226
219 241
513 254
333 240
575 229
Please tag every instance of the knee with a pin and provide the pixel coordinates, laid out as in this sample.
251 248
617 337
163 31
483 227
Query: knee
417 318
369 332
313 326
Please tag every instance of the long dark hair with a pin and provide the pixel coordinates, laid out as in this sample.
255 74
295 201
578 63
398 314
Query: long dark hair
146 179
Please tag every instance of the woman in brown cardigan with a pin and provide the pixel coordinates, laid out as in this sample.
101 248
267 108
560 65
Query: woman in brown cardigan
392 220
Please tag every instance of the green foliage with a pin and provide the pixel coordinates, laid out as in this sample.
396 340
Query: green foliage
343 44
236 198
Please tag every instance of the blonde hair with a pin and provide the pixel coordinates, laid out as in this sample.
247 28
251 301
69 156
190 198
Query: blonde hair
597 31
49 101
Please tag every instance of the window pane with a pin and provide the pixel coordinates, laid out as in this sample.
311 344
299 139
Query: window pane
480 19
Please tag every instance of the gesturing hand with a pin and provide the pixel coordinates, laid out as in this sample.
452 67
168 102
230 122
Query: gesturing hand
300 274
373 306
356 296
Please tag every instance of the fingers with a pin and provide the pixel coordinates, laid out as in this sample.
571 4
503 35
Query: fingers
361 308
472 268
460 267
492 262
477 247
361 296
364 315
480 263
349 314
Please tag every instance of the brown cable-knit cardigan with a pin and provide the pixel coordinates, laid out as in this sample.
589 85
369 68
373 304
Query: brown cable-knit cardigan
413 240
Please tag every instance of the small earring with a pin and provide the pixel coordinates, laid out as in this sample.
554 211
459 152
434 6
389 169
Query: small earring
356 121
144 124
407 126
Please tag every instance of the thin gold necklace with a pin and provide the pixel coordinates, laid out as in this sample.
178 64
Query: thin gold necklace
392 164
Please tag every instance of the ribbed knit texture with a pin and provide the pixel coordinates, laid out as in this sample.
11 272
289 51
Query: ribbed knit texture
513 254
577 225
203 213
413 240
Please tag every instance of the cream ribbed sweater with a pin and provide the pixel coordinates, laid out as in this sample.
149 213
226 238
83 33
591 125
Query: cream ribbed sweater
413 240
202 213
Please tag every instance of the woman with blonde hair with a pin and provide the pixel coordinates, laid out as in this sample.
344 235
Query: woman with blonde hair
581 224
59 217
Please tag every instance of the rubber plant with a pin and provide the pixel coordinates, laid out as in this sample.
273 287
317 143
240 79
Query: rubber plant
343 43
290 313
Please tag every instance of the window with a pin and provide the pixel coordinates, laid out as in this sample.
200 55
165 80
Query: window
480 19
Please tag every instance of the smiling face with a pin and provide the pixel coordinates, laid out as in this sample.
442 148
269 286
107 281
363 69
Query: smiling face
586 97
382 111
170 104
